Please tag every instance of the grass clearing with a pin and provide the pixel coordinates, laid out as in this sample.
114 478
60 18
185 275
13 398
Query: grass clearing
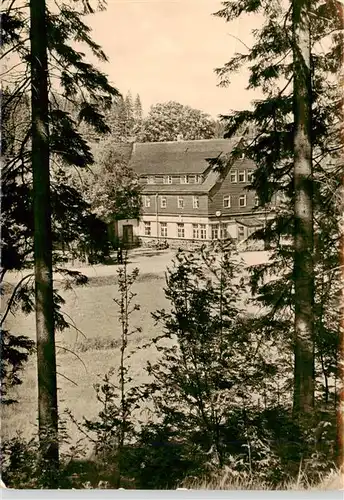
94 339
93 312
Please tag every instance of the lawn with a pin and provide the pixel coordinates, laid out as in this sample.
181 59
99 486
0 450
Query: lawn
95 339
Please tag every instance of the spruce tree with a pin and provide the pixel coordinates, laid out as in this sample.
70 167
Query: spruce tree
138 114
273 64
303 208
119 118
129 110
42 238
49 136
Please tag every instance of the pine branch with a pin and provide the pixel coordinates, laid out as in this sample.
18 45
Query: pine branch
13 296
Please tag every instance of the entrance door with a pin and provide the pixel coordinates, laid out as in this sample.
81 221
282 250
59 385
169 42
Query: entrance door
128 235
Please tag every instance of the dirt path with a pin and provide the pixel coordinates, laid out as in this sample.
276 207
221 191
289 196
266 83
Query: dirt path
148 262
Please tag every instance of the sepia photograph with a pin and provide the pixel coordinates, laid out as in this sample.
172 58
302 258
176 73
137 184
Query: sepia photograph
172 245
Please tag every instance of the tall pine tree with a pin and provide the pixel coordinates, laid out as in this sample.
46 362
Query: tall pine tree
129 109
48 137
279 120
44 301
303 208
138 112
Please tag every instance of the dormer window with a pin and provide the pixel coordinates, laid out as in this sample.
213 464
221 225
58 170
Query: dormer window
167 179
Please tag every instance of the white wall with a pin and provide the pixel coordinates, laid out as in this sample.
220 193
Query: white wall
232 230
172 225
172 228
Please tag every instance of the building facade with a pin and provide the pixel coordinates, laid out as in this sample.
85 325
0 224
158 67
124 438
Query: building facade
184 199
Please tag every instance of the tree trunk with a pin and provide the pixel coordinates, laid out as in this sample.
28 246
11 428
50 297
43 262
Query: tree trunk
340 354
303 239
46 360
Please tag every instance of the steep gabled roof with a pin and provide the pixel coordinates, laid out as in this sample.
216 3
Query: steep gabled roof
180 157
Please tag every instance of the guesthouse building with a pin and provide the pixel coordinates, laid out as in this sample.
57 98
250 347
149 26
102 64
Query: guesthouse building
185 199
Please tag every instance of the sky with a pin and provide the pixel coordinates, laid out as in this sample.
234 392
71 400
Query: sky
168 49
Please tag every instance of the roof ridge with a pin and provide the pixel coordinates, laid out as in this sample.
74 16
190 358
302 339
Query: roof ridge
173 157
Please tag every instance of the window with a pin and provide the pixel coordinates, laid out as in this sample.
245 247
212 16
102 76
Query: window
184 179
180 202
199 231
242 200
227 201
147 201
163 202
203 231
181 230
241 232
147 228
163 229
242 176
199 179
195 202
150 180
169 179
256 201
249 175
215 232
192 179
234 176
